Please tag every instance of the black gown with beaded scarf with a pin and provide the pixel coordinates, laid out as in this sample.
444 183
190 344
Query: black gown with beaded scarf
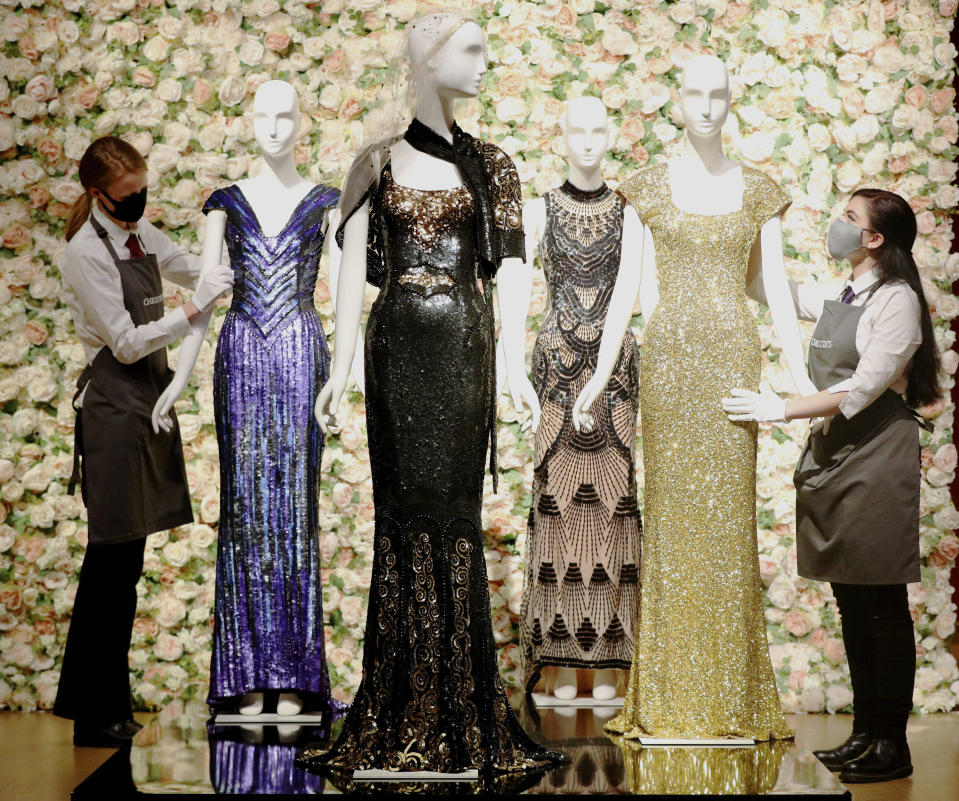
431 697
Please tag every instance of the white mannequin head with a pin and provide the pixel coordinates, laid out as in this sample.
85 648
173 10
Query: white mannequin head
448 55
586 132
704 95
276 118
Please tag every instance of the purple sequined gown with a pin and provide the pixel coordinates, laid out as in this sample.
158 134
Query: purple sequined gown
271 360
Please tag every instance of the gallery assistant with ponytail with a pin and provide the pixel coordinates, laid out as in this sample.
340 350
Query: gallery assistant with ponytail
857 481
133 480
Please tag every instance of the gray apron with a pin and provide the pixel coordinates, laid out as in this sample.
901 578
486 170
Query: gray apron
133 480
857 484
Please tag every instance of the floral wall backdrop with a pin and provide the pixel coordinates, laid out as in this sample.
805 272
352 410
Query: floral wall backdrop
828 96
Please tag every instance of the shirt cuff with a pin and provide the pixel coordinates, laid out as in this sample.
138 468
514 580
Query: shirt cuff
843 386
854 403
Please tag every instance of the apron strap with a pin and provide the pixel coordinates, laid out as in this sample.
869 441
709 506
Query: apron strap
102 233
77 475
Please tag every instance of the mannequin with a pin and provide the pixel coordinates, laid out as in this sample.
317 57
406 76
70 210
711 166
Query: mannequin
431 218
276 207
711 226
583 233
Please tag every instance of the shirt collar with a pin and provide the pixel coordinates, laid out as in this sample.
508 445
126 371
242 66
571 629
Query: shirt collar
117 234
864 281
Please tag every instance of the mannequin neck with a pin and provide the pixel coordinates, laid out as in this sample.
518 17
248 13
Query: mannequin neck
587 179
705 152
280 169
437 113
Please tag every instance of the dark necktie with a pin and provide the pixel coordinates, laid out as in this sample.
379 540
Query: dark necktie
133 244
847 295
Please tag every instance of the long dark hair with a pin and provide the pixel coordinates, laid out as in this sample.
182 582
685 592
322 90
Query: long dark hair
105 160
892 217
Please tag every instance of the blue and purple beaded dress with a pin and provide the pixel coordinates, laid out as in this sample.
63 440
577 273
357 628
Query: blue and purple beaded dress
271 360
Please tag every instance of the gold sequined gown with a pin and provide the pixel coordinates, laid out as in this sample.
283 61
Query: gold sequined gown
701 665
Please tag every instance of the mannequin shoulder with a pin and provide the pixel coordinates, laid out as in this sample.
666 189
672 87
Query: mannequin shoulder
644 188
496 159
326 196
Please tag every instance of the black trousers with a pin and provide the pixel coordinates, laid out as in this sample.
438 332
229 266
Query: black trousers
95 676
880 646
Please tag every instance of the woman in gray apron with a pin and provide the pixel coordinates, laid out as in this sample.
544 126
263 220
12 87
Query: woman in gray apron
857 481
133 480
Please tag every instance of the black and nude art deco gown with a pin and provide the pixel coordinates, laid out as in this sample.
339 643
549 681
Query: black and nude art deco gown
583 550
431 697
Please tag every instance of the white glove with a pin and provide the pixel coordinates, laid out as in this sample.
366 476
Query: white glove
764 406
212 284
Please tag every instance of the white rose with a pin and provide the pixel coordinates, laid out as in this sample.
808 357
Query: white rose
511 109
68 31
176 553
888 58
251 52
25 421
838 696
782 591
947 306
14 26
177 135
201 538
42 515
26 107
168 648
904 118
618 42
169 90
8 536
43 388
758 146
875 161
170 610
812 700
37 478
163 157
947 197
850 66
654 96
881 99
6 469
156 49
7 139
211 135
189 423
665 132
314 47
231 91
866 128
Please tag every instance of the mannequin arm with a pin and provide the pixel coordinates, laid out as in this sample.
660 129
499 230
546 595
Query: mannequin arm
513 289
649 280
336 257
780 302
627 286
193 341
349 309
513 298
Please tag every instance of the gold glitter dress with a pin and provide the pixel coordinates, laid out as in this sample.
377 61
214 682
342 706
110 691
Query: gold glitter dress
701 666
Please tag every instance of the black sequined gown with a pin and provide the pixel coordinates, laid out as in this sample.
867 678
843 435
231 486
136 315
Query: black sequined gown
431 696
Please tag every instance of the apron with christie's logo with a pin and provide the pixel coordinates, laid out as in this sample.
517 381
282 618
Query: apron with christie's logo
133 480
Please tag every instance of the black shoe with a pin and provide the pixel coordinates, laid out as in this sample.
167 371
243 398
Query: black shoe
112 735
130 727
834 758
885 760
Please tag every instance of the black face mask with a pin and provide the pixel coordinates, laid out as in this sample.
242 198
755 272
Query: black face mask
130 209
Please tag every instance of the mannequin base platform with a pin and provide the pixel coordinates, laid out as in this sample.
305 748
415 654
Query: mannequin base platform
413 776
697 742
549 701
236 719
182 752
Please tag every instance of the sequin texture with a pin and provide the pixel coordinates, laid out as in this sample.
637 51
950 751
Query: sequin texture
431 696
271 360
581 589
701 666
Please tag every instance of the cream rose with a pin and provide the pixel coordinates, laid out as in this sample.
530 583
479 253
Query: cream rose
231 91
881 99
168 648
618 42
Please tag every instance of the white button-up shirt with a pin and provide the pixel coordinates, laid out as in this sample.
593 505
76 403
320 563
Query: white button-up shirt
94 293
887 336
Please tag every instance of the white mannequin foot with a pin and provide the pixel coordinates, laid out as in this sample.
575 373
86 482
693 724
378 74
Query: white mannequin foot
564 686
251 704
604 684
288 704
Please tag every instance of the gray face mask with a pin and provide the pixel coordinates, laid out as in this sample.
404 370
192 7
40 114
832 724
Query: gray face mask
844 238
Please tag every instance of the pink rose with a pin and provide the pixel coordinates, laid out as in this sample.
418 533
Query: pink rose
349 109
20 654
35 331
41 88
342 495
797 678
796 623
350 437
945 458
202 92
168 648
639 154
28 48
767 568
948 7
818 637
899 164
15 237
926 222
334 61
949 547
276 41
87 96
39 196
146 627
143 76
942 99
916 96
834 651
11 599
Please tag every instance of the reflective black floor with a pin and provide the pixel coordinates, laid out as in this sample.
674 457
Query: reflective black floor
182 753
